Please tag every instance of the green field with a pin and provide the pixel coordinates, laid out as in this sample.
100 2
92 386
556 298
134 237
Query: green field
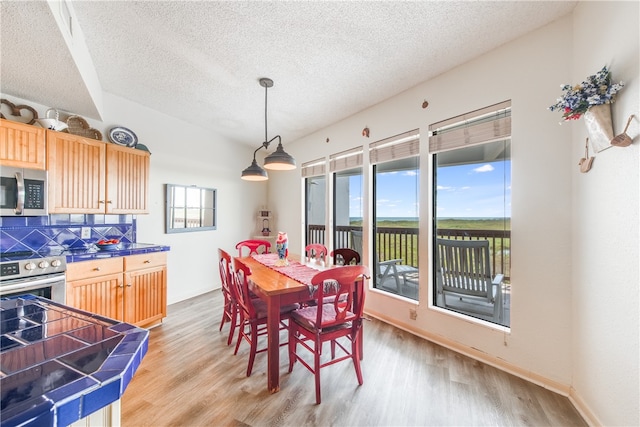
455 223
476 224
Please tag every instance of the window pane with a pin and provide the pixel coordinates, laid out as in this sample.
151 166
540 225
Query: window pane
315 193
347 207
473 203
396 210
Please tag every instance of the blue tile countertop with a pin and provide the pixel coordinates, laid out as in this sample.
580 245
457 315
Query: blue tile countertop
123 249
59 364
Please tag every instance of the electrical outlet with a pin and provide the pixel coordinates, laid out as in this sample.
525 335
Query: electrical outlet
413 314
85 233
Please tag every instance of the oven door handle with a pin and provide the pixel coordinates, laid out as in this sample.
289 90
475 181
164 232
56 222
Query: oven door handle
28 284
20 196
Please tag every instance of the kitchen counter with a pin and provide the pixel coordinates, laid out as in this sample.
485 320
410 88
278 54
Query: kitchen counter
59 364
124 249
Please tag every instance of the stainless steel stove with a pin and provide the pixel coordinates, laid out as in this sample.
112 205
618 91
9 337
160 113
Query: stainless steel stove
26 272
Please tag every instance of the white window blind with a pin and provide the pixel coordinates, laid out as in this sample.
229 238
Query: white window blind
314 168
344 160
396 147
487 124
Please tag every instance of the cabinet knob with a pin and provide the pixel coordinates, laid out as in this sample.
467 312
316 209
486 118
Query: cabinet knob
121 286
96 269
109 201
147 261
100 201
128 285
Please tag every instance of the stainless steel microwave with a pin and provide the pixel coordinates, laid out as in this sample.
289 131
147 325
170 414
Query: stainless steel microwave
23 192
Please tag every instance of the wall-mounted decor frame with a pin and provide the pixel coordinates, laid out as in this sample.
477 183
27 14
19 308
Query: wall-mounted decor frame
190 208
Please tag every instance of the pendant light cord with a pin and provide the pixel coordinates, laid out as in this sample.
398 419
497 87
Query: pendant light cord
266 88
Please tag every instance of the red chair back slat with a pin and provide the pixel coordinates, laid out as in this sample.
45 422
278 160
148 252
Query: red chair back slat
254 246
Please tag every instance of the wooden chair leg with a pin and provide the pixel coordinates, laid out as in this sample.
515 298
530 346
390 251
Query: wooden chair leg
234 319
355 355
292 347
241 327
225 310
316 368
254 348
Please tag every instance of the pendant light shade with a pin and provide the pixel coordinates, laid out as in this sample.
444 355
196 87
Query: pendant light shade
278 160
254 173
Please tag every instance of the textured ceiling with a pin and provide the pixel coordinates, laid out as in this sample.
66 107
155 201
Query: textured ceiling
201 60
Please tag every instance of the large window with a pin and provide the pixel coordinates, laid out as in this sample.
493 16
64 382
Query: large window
315 201
396 180
472 214
347 197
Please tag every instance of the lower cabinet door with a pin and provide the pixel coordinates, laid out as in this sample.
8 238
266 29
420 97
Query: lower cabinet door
145 297
100 295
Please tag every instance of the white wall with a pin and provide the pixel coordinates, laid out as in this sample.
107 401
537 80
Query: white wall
555 308
605 212
189 155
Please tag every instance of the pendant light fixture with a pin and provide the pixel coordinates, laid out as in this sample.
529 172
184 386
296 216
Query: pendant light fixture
278 160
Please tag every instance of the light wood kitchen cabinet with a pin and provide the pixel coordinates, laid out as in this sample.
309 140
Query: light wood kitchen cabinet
89 176
77 174
145 278
132 289
127 180
22 145
97 286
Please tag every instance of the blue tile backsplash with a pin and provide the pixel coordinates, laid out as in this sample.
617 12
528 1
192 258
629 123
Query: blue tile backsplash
62 231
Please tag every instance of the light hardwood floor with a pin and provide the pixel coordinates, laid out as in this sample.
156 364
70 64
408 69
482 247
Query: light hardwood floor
190 377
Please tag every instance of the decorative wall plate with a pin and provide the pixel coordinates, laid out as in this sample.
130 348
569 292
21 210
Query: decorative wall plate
123 136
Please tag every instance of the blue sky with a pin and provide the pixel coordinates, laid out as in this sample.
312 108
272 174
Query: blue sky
474 191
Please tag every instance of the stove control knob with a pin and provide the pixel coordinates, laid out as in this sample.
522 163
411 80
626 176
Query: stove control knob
29 266
43 264
56 263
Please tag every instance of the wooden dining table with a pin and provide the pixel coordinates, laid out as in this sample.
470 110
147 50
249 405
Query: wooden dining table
276 289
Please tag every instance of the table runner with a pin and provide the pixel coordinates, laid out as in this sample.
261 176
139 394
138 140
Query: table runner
295 270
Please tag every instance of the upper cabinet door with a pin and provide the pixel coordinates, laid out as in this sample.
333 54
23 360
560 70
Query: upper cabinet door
127 180
22 145
77 175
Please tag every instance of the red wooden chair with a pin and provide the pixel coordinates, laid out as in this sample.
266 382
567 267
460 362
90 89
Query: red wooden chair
230 309
253 313
254 246
317 251
336 322
345 256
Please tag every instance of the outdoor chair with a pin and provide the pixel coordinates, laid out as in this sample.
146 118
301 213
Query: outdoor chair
388 269
464 272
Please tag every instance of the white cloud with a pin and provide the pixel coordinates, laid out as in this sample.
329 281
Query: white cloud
484 168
